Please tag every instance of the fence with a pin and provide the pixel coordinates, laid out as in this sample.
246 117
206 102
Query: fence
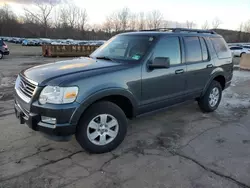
67 50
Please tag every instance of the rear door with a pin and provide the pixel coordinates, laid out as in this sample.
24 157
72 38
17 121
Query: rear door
199 64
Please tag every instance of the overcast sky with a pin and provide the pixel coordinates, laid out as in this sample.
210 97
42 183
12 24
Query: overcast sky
230 12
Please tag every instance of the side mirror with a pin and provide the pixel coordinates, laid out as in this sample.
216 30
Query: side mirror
160 63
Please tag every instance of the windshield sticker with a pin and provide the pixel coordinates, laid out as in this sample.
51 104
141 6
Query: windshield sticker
136 57
151 39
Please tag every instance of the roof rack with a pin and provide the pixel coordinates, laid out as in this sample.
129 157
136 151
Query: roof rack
178 30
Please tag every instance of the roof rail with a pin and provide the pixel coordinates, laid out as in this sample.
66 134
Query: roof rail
178 30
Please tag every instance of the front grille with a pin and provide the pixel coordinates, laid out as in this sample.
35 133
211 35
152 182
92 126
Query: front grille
26 87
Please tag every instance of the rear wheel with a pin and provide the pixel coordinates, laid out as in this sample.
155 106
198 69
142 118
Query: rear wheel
1 55
102 128
211 100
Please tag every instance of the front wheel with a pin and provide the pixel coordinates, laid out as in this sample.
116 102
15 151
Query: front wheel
102 128
211 100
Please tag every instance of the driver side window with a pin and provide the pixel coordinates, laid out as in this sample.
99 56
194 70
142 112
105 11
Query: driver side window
168 47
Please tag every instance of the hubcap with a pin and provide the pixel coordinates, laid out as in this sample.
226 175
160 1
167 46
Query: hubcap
102 129
214 97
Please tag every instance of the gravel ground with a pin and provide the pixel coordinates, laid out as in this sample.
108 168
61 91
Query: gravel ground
178 147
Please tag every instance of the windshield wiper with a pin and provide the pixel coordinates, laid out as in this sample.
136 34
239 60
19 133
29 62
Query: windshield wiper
105 58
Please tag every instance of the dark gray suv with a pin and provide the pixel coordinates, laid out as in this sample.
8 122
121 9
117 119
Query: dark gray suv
131 74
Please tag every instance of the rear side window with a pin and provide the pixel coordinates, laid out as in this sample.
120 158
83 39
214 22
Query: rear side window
220 48
204 49
192 49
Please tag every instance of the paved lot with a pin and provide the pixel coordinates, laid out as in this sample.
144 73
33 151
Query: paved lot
178 147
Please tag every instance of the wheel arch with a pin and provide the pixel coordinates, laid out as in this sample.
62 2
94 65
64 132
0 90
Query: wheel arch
121 97
218 76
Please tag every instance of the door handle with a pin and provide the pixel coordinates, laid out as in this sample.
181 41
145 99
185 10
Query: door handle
209 65
180 71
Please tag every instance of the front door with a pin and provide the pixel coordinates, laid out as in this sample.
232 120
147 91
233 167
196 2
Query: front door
160 87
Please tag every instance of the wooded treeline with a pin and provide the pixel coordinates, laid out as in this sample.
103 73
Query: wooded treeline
48 20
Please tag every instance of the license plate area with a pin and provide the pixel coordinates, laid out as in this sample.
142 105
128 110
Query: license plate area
19 114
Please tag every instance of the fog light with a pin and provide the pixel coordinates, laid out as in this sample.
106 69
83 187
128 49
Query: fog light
49 120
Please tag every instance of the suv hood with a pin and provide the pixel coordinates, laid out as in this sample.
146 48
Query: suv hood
46 72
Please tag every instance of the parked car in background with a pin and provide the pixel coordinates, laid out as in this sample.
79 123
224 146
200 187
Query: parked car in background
31 42
45 41
3 49
246 47
238 51
25 42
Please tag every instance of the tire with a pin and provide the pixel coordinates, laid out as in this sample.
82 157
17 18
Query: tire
204 101
94 115
1 55
242 54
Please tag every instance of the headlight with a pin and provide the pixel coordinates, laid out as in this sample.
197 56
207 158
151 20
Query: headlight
58 95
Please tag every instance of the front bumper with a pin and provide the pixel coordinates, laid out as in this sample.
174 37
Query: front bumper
6 52
31 115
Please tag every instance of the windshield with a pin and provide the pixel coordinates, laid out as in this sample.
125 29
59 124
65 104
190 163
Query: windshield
124 48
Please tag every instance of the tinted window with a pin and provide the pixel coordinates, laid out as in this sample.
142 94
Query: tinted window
246 46
169 47
192 49
220 47
204 49
1 42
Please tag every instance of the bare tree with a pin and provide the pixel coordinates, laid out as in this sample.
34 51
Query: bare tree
56 18
247 26
154 19
41 15
141 21
82 19
164 23
63 18
108 25
132 21
8 21
123 17
72 12
190 24
115 22
216 23
205 25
